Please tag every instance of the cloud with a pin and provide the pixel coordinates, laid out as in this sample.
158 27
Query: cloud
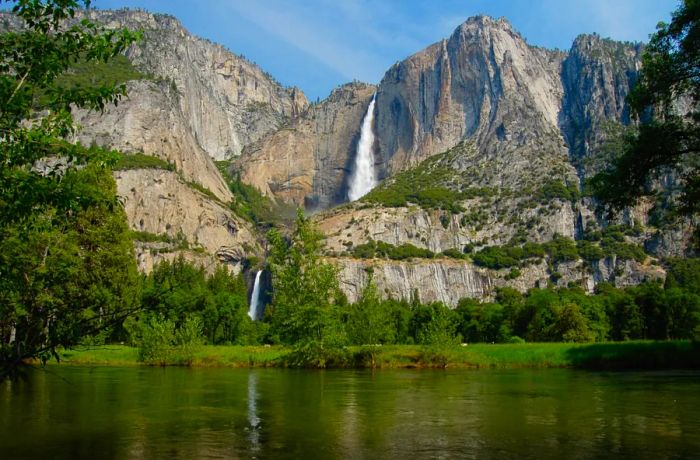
314 34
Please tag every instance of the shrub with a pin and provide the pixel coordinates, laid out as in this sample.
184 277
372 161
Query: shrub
188 339
141 161
453 253
156 340
561 249
514 273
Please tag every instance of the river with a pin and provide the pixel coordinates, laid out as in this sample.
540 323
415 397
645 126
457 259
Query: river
123 413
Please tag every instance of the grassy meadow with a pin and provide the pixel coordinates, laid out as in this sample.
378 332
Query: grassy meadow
610 356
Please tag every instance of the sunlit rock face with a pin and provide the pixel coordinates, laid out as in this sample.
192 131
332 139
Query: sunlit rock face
530 116
226 101
308 162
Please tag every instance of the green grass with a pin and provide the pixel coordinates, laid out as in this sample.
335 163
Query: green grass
112 355
610 356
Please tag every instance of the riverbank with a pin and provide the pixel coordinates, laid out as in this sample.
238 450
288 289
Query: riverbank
609 356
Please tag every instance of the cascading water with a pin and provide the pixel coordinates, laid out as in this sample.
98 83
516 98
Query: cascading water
363 177
255 304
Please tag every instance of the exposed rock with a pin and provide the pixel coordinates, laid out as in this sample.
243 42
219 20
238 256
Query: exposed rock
159 202
444 281
307 162
485 84
448 280
527 110
597 75
149 121
435 230
226 101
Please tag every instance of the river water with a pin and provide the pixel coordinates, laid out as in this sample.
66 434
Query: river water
105 412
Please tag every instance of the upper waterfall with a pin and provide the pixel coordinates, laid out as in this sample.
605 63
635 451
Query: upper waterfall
363 177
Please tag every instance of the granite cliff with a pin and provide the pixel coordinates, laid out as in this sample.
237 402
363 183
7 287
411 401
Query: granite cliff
482 140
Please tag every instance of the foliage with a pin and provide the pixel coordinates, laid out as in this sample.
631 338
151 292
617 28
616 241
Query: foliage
89 74
64 276
556 189
304 310
368 322
67 268
181 292
453 253
159 340
141 161
559 249
156 340
434 324
248 202
432 184
646 311
148 237
203 190
684 273
379 249
668 136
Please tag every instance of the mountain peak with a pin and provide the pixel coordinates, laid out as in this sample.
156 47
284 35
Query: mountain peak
484 26
483 22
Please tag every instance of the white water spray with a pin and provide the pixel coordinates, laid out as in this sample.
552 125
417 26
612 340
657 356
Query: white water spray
255 306
363 178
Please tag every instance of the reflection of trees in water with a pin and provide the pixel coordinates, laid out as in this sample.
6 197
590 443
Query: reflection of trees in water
193 413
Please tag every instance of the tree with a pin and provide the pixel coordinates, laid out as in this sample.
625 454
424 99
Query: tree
66 266
665 100
369 320
305 289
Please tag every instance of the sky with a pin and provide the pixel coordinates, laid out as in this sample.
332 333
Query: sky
318 45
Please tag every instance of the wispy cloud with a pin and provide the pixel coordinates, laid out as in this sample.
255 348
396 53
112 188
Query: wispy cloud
318 44
317 38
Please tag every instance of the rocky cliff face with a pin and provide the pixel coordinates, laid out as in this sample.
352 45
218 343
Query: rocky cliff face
160 202
226 101
531 113
307 162
597 75
200 102
149 121
530 116
484 83
448 281
511 119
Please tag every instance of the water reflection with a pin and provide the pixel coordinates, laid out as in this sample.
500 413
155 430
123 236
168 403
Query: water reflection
253 419
184 413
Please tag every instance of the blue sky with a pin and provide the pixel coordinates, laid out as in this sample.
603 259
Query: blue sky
320 44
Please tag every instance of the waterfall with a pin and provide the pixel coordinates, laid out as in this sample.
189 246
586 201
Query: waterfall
255 307
363 178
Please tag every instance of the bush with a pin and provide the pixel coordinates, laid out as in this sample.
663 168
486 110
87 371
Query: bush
188 339
497 257
561 249
453 253
141 161
380 249
310 354
514 273
558 190
156 341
